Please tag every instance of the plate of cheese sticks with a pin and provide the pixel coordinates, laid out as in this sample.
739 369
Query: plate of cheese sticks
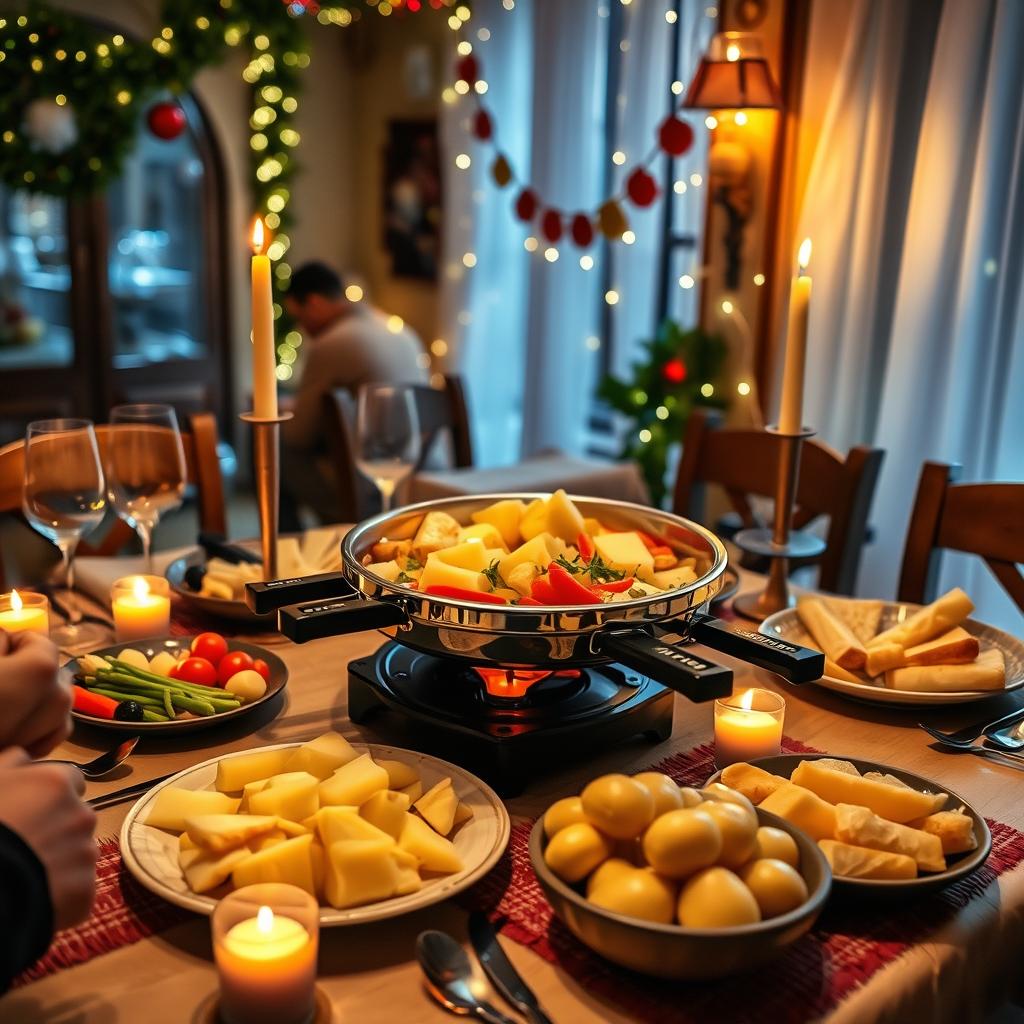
890 652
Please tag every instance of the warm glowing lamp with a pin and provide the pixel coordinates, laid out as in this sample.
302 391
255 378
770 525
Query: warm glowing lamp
733 74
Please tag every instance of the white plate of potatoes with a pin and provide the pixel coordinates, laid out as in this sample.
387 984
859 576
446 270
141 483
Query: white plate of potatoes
158 856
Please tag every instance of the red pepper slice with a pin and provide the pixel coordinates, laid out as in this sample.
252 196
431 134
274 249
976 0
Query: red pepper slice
460 594
650 542
616 586
662 549
585 546
530 601
542 591
95 704
569 590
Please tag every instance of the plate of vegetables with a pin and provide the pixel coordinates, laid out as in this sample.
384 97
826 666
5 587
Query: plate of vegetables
173 683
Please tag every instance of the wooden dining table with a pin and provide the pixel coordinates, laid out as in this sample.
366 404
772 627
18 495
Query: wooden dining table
369 974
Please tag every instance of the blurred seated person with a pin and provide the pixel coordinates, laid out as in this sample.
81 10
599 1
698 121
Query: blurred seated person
346 344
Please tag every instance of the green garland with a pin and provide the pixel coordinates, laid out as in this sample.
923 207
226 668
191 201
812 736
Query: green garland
681 371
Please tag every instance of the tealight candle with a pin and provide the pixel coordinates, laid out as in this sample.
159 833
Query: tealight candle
265 940
25 613
748 725
141 606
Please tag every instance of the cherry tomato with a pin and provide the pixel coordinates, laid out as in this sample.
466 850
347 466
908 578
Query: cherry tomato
211 646
259 665
235 661
196 670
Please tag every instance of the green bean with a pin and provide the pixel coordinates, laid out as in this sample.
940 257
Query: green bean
199 692
152 677
149 715
197 707
146 702
168 706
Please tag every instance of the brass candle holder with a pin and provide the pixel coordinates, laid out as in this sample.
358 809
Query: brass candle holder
782 542
266 456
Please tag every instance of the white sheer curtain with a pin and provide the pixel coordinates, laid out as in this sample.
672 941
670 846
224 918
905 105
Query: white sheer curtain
916 207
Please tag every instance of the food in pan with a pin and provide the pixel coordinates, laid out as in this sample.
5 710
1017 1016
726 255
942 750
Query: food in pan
642 846
868 826
348 829
929 652
544 553
206 679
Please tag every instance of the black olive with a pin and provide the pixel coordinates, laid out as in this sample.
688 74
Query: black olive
128 711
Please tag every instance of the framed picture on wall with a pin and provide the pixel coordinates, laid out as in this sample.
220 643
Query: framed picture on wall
412 199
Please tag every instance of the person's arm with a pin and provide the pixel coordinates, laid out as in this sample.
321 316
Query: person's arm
26 914
323 371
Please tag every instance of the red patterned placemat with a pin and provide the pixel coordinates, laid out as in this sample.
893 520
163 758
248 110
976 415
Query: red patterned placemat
845 948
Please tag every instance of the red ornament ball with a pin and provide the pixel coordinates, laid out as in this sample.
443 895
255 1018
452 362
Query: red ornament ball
467 69
483 127
582 230
166 120
526 204
674 371
642 188
675 136
551 226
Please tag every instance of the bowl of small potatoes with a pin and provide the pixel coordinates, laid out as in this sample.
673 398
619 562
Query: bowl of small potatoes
677 882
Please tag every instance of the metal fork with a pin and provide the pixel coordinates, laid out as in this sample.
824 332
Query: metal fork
972 732
967 747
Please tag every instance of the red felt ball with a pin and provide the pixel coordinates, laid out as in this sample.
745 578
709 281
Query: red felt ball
483 128
526 204
466 69
674 371
166 120
551 226
642 188
675 136
582 230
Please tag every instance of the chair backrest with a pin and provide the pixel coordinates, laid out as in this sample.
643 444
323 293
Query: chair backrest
744 463
202 470
440 411
983 519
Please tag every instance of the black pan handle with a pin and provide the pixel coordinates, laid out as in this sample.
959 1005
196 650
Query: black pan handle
792 662
338 616
274 594
217 546
694 677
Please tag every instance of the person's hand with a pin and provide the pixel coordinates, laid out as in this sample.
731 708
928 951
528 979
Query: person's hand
42 804
36 702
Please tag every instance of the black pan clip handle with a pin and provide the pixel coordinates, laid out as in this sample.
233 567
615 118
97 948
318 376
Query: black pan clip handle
217 546
677 668
791 661
274 594
337 617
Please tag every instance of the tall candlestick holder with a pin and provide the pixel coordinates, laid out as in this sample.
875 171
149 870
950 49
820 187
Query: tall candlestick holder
782 542
266 455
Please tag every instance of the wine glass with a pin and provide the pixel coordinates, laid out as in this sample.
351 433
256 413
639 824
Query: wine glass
388 436
64 497
145 467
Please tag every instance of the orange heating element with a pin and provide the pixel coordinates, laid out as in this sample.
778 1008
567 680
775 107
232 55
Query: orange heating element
513 682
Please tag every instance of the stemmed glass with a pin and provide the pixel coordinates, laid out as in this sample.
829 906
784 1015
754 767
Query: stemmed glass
388 436
64 497
145 467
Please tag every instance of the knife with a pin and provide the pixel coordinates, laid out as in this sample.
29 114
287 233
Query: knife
120 796
497 966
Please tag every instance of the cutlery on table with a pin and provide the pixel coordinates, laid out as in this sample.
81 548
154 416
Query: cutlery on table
217 546
966 747
497 966
64 612
971 732
105 763
1009 737
450 978
120 796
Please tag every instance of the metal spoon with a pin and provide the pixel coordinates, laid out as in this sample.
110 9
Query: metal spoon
105 763
450 978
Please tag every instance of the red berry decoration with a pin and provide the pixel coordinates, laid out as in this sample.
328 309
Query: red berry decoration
551 226
674 371
526 204
675 136
642 188
467 69
582 230
483 128
166 120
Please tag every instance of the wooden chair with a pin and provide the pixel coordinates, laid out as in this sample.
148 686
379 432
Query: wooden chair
441 411
744 463
983 519
202 469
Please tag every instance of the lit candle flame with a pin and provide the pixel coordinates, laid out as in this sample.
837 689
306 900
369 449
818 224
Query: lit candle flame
747 700
258 236
265 920
16 601
803 257
732 52
140 588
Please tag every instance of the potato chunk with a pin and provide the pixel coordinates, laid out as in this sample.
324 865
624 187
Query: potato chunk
289 862
437 807
432 851
322 756
505 516
627 553
234 772
438 530
386 810
172 806
353 783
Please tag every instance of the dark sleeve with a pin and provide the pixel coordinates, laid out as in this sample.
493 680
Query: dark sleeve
26 914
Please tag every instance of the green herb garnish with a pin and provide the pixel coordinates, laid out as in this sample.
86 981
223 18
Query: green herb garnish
412 564
635 592
494 576
404 577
